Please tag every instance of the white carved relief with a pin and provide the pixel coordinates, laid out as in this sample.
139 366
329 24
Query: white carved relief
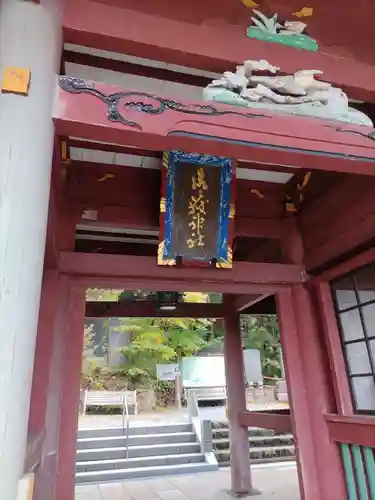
299 94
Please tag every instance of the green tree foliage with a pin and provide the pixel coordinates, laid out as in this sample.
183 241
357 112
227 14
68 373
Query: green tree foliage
163 340
88 335
262 332
100 294
148 347
188 336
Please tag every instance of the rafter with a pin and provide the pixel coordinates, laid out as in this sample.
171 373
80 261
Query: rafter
200 46
134 69
243 302
112 148
149 309
339 221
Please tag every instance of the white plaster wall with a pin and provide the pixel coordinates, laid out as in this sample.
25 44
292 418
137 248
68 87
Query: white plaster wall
29 38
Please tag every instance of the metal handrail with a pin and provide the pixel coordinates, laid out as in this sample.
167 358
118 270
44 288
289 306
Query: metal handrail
125 411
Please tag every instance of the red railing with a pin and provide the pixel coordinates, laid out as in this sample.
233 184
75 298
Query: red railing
277 420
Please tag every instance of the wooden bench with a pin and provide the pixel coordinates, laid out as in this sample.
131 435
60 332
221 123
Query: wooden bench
121 399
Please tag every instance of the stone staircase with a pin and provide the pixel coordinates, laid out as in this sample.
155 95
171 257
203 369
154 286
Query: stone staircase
264 445
154 450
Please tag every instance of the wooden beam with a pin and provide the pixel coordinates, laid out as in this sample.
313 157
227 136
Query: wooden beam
112 148
149 309
242 302
135 69
117 148
258 228
265 306
130 197
115 248
143 218
93 172
340 244
131 272
277 420
357 430
260 137
360 260
112 28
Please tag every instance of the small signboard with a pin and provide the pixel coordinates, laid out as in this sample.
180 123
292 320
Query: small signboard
167 372
203 371
197 210
253 366
16 80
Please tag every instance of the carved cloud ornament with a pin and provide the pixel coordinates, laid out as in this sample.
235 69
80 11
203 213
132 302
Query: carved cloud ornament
298 94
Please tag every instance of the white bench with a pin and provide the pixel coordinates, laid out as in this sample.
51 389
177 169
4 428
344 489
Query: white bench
218 393
121 399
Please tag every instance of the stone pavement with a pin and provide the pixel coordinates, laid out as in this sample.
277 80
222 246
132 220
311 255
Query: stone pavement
275 482
164 416
169 416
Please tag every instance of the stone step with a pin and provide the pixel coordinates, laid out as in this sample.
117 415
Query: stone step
137 451
131 463
266 441
135 440
260 454
253 431
137 472
138 430
258 461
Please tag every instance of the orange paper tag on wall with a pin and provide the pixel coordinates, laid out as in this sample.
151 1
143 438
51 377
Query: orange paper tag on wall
16 80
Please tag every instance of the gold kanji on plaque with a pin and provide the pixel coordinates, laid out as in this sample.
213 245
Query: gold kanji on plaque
197 209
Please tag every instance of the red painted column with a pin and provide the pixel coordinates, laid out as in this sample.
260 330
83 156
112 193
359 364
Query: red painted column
318 387
66 460
43 352
46 474
299 408
236 399
335 354
310 383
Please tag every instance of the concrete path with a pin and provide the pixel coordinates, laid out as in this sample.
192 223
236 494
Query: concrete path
166 416
169 416
218 413
275 482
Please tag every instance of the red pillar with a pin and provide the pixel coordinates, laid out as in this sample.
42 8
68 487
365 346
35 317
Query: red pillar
321 395
335 354
299 408
236 400
310 386
310 383
43 352
66 460
46 473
